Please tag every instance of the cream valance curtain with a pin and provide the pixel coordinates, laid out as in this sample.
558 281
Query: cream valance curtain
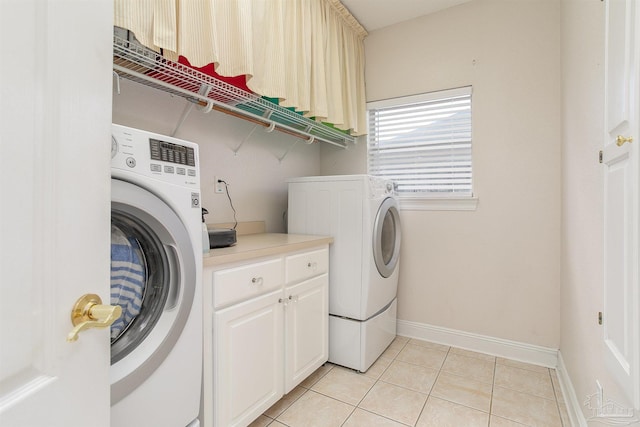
307 53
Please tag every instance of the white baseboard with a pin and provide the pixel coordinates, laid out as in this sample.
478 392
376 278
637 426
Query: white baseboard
515 350
571 400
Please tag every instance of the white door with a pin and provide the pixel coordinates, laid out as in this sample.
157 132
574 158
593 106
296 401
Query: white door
249 358
306 329
55 128
620 160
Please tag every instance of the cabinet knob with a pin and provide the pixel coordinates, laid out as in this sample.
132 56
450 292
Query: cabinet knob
257 281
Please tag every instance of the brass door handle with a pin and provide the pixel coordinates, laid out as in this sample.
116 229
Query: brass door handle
88 312
620 140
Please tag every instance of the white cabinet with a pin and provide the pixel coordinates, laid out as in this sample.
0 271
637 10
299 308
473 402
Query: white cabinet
266 330
306 315
306 320
248 358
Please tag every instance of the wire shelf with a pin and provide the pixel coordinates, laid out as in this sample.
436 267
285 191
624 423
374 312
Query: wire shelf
135 62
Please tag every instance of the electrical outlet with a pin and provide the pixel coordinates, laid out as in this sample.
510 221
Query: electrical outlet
219 186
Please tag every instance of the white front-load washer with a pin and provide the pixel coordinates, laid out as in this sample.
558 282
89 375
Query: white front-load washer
156 268
361 213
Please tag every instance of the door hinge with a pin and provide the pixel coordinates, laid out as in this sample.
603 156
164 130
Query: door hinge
599 318
600 156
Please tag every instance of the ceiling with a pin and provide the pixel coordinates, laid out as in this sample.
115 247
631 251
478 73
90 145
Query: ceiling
375 14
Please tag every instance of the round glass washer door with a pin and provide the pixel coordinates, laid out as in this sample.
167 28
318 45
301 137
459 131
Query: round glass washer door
153 273
386 237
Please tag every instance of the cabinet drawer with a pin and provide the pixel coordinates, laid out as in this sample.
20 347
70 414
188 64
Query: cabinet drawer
236 284
308 264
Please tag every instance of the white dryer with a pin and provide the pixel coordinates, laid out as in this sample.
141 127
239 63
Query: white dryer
156 268
361 213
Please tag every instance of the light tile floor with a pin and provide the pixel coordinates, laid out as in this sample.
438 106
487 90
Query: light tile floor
422 384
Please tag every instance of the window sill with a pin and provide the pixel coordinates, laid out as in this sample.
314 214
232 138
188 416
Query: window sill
440 204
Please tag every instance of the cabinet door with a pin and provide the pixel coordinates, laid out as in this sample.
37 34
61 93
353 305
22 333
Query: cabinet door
248 359
306 329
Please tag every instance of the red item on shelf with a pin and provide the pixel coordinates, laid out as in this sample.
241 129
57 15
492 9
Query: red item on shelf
238 81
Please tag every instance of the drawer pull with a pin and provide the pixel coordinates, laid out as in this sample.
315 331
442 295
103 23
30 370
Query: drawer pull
257 281
313 265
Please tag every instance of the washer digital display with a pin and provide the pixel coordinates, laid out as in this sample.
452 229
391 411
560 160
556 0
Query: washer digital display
172 153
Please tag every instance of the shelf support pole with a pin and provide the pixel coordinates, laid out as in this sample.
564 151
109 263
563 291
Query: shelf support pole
183 117
280 159
235 152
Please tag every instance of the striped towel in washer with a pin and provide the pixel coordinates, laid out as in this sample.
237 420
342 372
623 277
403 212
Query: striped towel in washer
128 277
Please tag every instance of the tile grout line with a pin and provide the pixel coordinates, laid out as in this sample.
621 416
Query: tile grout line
555 394
432 386
493 384
455 374
377 380
306 390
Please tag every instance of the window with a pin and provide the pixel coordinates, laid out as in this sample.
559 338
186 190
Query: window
423 143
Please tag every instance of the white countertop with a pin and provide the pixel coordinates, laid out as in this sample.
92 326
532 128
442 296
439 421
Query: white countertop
251 246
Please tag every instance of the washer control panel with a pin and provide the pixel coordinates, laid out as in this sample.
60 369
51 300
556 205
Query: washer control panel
161 157
381 187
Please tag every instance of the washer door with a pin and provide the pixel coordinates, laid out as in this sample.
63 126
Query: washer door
386 237
153 274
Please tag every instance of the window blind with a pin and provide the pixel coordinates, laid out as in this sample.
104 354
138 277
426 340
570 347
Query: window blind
423 143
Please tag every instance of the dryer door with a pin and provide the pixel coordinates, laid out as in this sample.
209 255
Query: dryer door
386 237
153 274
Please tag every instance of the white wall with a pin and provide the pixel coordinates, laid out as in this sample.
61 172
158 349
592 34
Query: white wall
582 187
256 177
495 271
338 161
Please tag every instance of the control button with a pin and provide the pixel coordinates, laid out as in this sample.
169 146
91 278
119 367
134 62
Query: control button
192 172
155 149
389 187
131 162
156 168
168 169
195 200
181 171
